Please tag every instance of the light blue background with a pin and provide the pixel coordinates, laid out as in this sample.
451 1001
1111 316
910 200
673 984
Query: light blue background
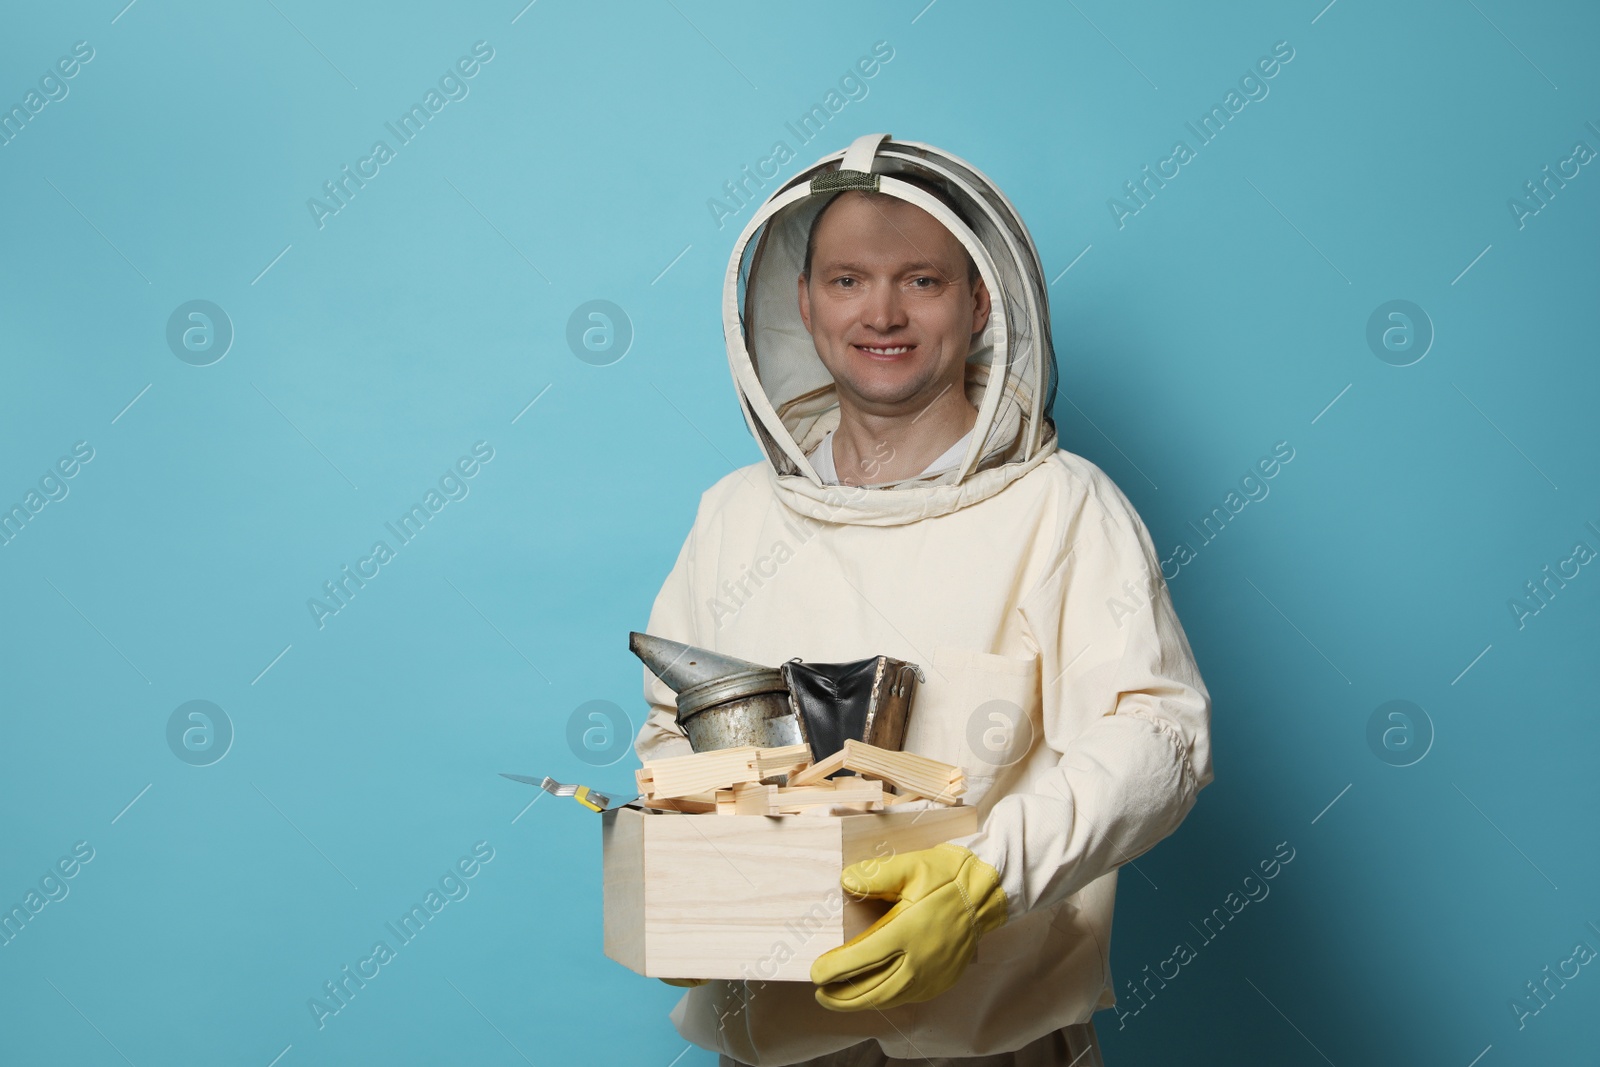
1227 315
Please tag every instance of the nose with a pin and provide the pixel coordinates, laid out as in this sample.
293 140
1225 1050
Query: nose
884 310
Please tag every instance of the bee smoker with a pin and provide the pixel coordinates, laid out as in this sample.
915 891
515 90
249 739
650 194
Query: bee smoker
724 702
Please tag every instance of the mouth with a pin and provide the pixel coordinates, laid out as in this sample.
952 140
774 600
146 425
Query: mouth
886 353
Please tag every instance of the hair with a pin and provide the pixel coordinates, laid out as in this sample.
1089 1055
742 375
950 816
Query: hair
927 185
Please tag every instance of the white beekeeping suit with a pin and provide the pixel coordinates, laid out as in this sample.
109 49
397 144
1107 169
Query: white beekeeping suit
1022 581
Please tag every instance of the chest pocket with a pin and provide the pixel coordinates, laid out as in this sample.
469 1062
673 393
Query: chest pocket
978 711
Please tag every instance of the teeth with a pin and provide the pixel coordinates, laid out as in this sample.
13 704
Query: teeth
891 351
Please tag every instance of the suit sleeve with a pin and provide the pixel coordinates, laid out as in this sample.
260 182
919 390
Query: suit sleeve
672 617
1110 645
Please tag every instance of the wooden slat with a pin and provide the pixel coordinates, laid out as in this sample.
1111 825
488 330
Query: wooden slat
860 755
907 771
724 768
749 798
861 790
680 775
762 799
784 760
820 770
695 803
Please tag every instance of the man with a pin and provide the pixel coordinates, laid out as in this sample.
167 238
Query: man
892 356
892 306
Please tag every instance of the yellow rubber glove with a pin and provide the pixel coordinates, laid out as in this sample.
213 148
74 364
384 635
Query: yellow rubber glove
946 899
689 982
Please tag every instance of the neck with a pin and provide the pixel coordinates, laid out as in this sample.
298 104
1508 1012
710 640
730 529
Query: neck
871 448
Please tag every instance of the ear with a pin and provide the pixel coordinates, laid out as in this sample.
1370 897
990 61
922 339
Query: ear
980 306
805 303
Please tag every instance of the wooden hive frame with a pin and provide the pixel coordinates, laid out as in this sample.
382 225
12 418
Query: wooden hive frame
913 776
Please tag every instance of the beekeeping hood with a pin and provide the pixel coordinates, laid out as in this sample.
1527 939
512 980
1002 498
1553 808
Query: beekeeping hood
787 394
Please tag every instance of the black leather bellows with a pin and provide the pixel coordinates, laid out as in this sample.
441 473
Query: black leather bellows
868 700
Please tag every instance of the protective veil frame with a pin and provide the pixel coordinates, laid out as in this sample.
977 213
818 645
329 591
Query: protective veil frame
864 165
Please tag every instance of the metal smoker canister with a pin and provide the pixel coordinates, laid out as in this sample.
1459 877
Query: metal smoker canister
723 702
749 707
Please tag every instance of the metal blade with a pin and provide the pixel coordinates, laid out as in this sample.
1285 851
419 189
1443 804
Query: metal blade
591 798
520 778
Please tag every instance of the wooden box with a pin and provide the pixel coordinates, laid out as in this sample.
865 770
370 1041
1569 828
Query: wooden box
752 897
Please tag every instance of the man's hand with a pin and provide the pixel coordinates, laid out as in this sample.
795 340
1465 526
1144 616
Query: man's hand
946 899
690 982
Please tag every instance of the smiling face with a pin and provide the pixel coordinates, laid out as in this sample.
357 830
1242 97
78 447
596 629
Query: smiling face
890 304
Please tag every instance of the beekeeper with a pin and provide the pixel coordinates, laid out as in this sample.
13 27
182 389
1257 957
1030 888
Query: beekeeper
893 360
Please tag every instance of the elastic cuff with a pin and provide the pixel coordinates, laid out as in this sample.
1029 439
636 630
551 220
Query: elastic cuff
981 889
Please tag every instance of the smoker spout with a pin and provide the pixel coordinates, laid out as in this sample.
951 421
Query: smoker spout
680 666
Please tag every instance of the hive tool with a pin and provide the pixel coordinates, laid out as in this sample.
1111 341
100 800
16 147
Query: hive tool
592 799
